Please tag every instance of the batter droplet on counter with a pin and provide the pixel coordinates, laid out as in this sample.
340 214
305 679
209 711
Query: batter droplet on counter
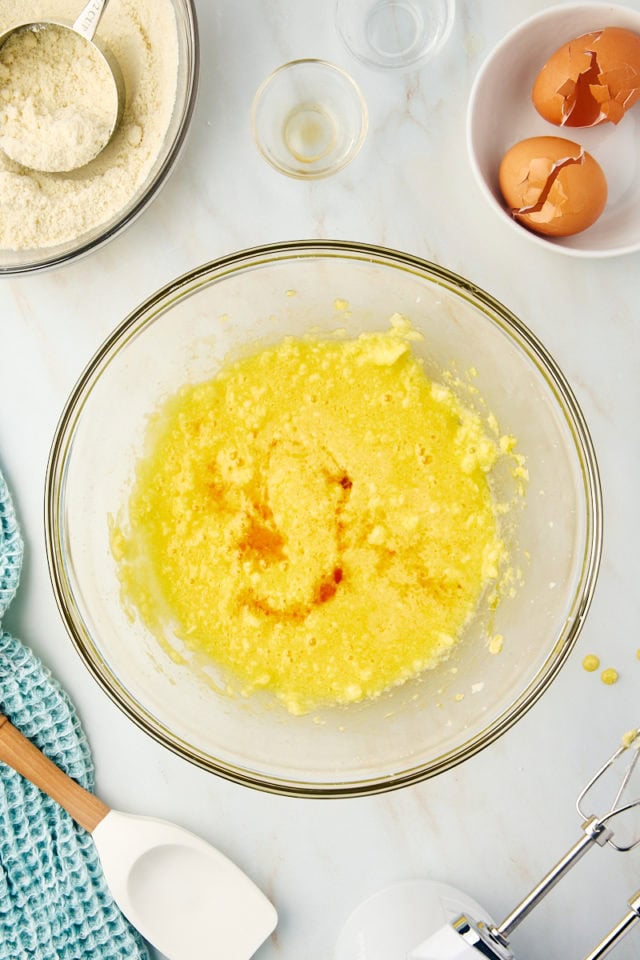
609 676
591 662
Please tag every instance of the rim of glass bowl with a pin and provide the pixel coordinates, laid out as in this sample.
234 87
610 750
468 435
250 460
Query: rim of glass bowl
161 175
250 259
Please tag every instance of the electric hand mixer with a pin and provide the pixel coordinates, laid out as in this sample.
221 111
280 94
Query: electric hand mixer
469 933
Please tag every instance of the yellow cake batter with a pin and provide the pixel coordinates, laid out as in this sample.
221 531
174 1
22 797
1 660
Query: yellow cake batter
317 518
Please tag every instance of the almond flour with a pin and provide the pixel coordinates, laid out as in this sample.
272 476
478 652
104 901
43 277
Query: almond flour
58 99
39 210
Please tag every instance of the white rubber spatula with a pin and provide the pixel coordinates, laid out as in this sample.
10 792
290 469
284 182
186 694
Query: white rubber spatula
184 896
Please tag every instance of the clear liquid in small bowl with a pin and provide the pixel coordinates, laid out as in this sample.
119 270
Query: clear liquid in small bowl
310 132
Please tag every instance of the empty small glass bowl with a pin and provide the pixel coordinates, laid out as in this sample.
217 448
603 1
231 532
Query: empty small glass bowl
309 119
394 33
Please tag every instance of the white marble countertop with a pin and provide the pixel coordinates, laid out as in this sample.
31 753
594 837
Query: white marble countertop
495 824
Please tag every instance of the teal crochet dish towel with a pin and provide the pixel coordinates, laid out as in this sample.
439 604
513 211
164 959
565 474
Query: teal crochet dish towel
11 549
54 902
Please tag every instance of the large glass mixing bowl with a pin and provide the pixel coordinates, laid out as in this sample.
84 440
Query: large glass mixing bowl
181 334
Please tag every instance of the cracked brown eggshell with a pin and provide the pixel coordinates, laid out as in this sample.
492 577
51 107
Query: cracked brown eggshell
590 80
552 186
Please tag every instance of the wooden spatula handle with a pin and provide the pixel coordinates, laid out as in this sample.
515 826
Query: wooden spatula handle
24 756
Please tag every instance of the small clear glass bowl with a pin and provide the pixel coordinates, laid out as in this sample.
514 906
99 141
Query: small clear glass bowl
309 119
14 262
181 335
394 34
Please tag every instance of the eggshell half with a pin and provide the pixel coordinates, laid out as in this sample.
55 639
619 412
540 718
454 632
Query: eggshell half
552 186
590 80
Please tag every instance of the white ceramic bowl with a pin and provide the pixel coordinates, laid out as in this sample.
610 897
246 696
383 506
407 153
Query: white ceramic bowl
501 113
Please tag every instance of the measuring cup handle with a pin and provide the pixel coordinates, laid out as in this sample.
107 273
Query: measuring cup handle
90 16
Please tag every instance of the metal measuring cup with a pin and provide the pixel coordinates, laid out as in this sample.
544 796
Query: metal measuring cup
85 26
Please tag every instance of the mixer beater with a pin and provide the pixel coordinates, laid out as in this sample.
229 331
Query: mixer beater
466 937
389 924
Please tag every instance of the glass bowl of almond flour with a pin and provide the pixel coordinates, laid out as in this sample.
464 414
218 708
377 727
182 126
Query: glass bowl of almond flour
48 219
